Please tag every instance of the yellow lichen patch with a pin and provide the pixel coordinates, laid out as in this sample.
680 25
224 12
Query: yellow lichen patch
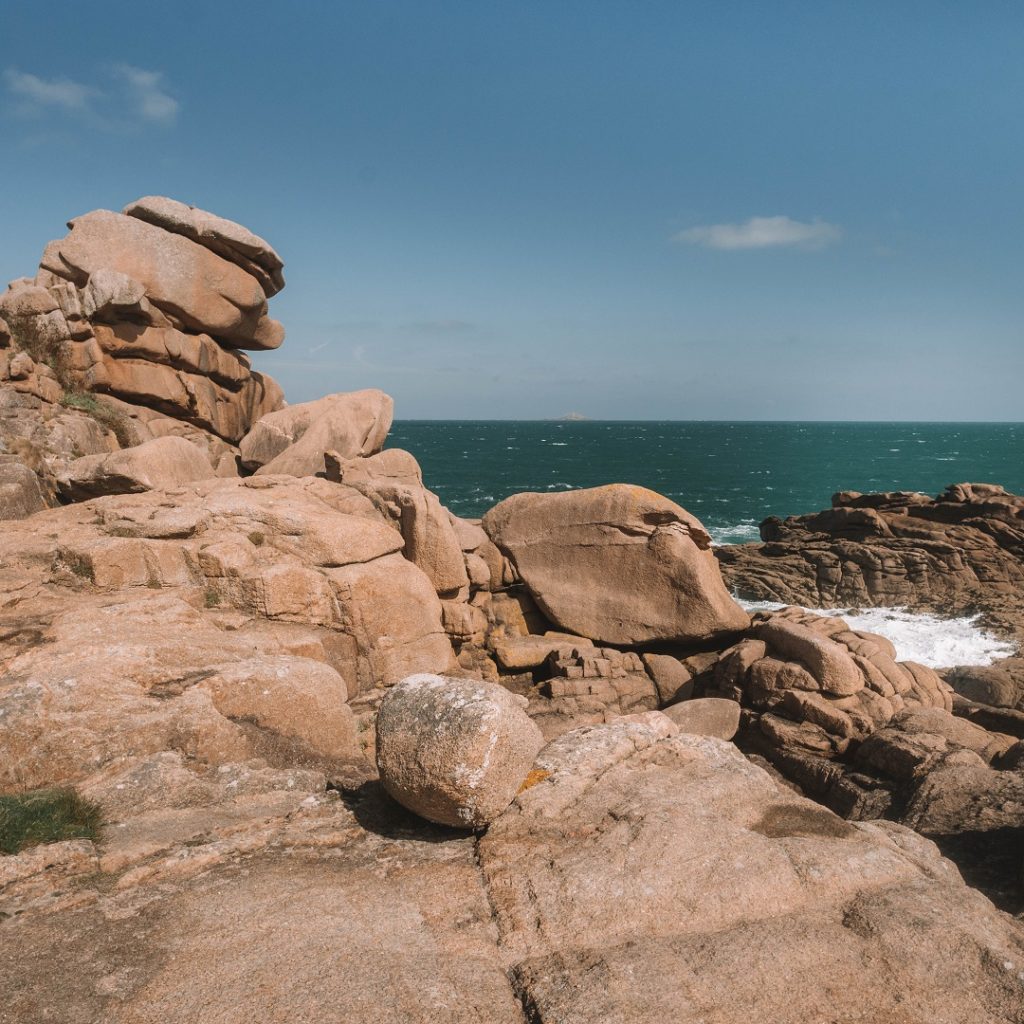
534 776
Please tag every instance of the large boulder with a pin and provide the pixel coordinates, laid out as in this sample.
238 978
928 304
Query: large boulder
706 716
294 440
164 462
224 237
618 564
182 278
454 751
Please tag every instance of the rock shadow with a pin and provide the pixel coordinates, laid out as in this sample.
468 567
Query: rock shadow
381 814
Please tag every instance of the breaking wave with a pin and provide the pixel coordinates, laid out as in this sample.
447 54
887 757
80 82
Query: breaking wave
738 533
919 636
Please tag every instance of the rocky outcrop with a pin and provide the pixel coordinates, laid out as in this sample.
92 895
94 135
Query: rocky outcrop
619 564
136 320
958 553
214 619
454 751
293 441
263 603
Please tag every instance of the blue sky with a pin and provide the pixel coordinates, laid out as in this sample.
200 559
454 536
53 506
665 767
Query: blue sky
518 209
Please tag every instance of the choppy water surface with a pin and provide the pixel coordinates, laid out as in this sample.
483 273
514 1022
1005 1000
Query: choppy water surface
730 475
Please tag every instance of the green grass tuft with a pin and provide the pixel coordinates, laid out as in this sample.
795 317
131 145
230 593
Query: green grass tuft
46 816
104 414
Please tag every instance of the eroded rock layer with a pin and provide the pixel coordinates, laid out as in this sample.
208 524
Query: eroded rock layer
137 321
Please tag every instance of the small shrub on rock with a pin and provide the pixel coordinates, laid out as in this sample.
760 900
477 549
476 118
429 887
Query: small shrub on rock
46 816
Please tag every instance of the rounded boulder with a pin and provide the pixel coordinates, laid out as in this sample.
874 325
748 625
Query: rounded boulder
454 751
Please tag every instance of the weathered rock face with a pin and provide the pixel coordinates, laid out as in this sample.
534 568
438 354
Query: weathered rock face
163 463
393 481
619 564
454 751
293 441
653 876
165 620
149 311
20 492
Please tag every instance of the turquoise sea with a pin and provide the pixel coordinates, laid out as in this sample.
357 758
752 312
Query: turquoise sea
731 475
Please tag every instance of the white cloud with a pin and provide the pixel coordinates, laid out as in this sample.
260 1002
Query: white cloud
130 98
146 93
763 233
38 92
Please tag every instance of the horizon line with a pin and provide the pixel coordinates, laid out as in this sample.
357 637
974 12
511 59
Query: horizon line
562 421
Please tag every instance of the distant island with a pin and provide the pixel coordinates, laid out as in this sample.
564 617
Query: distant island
573 417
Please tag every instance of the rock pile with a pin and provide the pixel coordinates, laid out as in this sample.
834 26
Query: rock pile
152 308
242 603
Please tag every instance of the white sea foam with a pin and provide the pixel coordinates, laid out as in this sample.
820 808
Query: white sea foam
739 533
919 636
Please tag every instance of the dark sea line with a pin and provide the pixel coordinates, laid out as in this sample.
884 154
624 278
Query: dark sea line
731 474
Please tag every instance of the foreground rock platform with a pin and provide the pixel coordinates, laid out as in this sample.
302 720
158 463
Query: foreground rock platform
646 876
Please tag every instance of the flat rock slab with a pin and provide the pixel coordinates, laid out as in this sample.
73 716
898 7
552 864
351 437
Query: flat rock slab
653 876
357 928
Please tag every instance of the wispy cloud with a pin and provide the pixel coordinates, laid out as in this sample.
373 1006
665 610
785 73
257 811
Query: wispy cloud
124 98
145 90
763 233
35 94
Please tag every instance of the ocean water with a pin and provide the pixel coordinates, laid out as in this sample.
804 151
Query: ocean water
731 475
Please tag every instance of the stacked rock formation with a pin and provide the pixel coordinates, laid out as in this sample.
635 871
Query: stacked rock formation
152 308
